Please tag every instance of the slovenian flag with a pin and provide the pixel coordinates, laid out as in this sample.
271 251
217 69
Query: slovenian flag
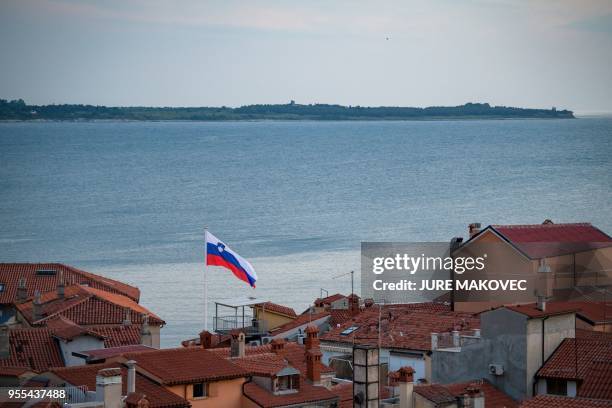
219 254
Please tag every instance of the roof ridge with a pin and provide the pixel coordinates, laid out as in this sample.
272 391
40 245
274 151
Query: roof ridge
567 224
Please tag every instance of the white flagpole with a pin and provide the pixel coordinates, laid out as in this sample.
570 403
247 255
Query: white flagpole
205 281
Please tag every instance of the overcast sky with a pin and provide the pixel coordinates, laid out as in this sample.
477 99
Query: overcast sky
412 53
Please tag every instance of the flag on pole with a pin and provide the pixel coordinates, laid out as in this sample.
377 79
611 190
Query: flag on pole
219 254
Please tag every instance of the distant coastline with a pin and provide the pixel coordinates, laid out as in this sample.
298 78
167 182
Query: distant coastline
18 110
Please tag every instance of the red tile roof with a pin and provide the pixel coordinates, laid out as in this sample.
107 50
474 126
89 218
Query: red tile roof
301 320
339 316
37 350
407 326
186 365
543 240
294 353
550 401
33 348
67 330
494 397
598 382
583 334
273 307
307 394
443 394
573 359
119 335
344 391
552 309
102 354
87 306
157 395
11 273
328 300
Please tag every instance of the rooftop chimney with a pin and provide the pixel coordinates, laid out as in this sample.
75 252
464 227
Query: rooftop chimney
474 228
61 287
544 280
473 397
312 338
36 307
365 376
108 387
146 338
143 402
22 291
313 365
5 345
278 346
406 386
237 346
353 304
541 305
206 339
131 376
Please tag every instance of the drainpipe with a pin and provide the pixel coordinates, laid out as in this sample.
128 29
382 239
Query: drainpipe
243 393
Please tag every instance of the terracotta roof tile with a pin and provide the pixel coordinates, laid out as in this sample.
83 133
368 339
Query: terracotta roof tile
33 348
307 394
273 307
186 365
494 397
574 358
407 326
87 306
101 354
543 240
67 330
86 376
552 309
37 350
294 353
550 401
328 300
598 382
11 273
301 320
344 391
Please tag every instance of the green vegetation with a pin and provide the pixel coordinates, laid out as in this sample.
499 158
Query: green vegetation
19 110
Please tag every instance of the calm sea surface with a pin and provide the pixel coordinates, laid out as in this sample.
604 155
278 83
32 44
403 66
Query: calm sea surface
129 200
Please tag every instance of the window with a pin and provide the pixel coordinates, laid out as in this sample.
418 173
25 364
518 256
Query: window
200 390
556 387
287 383
1 287
349 330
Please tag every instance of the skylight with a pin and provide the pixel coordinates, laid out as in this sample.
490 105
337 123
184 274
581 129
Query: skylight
349 330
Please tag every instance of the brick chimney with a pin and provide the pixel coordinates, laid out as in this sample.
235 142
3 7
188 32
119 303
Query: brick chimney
36 307
473 397
312 338
22 290
61 286
206 339
5 345
406 386
353 304
474 228
131 376
278 346
237 346
313 365
108 387
146 338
